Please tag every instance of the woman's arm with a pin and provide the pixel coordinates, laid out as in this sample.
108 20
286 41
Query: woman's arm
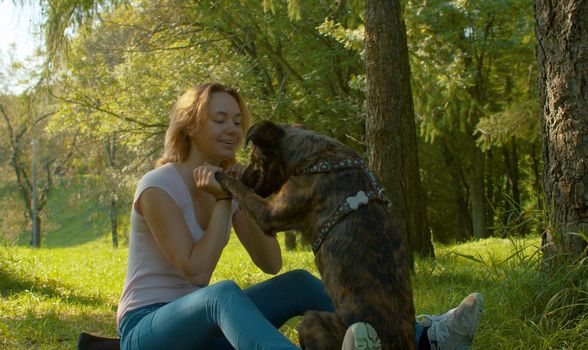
196 260
264 250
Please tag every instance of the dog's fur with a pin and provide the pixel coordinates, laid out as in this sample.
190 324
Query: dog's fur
362 262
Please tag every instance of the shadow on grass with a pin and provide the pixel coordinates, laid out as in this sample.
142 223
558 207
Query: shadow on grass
11 284
54 330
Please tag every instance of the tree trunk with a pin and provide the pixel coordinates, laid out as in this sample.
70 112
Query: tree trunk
561 28
390 124
490 191
113 223
537 178
511 163
477 195
36 239
513 198
110 145
464 218
460 190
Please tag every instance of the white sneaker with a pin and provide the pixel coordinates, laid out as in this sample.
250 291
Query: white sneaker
456 328
361 336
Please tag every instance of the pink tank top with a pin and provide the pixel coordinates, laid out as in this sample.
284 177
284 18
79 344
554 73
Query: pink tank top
151 277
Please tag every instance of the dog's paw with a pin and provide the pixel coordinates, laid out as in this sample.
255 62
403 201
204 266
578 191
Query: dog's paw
222 179
320 330
230 184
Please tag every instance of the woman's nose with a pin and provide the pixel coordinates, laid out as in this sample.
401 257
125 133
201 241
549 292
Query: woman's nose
232 127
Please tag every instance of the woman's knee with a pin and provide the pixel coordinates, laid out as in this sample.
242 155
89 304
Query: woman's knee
308 287
224 288
303 278
224 296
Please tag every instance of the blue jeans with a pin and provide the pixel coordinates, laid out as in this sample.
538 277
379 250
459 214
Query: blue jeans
223 316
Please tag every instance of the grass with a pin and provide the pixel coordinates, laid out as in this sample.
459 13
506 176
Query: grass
73 283
71 217
49 295
527 307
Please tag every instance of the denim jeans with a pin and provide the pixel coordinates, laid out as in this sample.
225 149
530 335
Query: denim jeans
223 316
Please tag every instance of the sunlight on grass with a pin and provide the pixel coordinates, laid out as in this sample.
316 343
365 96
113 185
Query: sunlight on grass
49 295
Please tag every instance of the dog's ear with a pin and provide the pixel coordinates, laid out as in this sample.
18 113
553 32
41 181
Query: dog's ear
264 134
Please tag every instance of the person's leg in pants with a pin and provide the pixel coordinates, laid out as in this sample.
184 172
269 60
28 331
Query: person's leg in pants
195 321
292 294
284 297
277 299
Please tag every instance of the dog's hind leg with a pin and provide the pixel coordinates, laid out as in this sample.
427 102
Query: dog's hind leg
321 331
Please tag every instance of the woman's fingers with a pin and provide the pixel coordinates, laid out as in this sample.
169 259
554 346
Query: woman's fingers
236 170
204 179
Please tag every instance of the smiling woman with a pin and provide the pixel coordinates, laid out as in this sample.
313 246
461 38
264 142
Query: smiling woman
194 110
220 136
181 222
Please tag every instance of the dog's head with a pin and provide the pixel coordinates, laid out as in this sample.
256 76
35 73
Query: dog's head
278 150
265 174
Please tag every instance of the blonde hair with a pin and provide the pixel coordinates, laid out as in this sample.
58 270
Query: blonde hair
189 113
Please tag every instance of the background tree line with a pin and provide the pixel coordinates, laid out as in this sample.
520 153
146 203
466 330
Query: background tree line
116 67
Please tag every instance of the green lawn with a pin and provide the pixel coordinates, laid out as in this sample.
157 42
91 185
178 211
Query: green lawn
73 216
49 295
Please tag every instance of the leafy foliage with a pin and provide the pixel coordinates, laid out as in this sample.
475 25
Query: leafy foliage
36 158
302 61
117 67
473 75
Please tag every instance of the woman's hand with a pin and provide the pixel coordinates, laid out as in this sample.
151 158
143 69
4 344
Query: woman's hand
236 170
204 180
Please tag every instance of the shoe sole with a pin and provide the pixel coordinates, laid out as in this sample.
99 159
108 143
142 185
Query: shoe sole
365 337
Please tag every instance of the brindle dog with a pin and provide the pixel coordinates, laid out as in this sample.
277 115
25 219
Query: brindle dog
323 189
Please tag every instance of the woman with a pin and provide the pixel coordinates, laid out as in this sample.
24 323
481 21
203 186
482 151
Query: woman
180 222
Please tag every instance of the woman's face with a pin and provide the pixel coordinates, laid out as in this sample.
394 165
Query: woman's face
221 134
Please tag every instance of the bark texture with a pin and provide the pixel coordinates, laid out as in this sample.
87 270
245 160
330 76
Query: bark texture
561 27
390 124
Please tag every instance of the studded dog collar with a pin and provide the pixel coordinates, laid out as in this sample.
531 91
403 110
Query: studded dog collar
351 203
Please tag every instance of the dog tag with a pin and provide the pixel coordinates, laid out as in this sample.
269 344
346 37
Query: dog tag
359 199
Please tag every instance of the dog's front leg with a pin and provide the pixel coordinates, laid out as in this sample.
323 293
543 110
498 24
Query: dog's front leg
257 207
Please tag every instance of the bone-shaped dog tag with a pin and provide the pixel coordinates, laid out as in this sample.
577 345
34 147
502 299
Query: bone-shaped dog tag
359 199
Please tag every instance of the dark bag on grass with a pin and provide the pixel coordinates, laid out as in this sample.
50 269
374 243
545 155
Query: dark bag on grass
88 341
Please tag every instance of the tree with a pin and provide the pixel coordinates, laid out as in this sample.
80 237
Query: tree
110 145
24 117
272 51
121 73
390 124
105 94
473 68
562 49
